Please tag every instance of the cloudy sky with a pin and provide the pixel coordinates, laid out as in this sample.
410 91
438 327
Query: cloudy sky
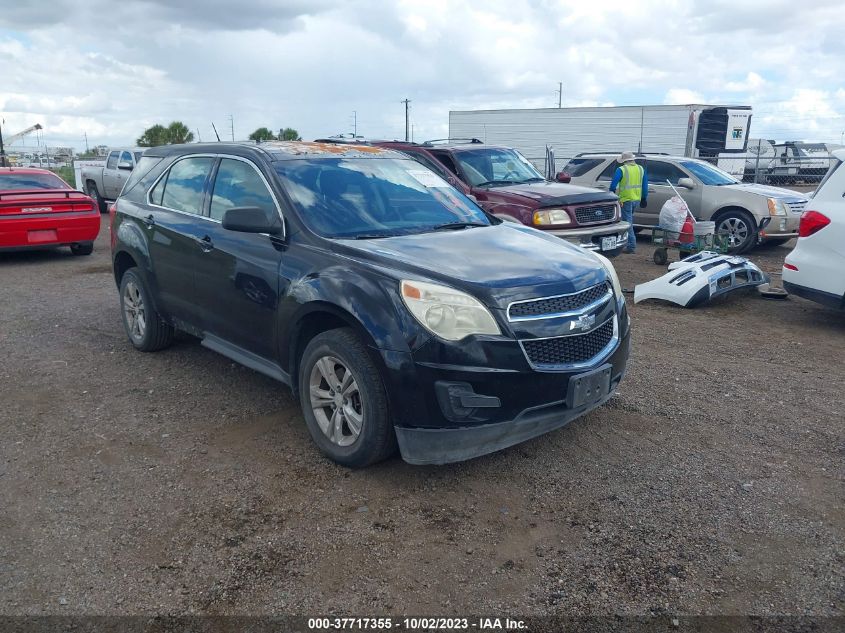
110 68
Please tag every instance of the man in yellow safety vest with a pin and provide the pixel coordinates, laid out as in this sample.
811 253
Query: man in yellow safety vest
632 181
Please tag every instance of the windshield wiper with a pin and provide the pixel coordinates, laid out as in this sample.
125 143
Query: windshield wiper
522 182
450 226
496 182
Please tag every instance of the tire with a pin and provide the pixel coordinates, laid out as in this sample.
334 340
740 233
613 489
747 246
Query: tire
91 190
146 330
344 401
740 228
85 248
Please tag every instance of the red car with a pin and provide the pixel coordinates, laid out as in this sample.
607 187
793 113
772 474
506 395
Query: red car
40 210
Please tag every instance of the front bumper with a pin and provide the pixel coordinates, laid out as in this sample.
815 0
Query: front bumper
590 237
515 405
781 227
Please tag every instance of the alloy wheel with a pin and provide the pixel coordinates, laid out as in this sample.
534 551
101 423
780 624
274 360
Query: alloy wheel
134 311
336 401
736 229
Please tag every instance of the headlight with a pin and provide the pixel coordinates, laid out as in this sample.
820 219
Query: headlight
552 217
446 312
776 207
614 278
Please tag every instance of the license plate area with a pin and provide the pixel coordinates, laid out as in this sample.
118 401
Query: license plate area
608 243
588 388
40 237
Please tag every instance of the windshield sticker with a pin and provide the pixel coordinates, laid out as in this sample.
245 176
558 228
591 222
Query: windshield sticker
427 178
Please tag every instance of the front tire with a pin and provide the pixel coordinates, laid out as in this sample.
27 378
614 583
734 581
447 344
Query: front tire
146 330
739 228
344 401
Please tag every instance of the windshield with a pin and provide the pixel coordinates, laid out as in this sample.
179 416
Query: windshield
708 174
20 181
359 198
489 167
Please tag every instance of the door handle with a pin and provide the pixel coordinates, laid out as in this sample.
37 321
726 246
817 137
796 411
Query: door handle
205 243
150 221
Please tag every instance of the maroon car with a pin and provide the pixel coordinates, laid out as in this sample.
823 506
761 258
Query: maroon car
508 186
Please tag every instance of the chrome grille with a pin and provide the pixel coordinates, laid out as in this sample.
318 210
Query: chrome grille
561 304
595 214
569 350
797 207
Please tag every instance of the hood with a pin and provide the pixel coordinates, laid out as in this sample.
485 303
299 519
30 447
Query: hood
766 190
496 264
547 194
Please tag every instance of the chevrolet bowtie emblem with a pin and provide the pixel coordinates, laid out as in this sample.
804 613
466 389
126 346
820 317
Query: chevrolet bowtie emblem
583 322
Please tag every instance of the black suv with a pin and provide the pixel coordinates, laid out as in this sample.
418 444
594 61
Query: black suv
395 308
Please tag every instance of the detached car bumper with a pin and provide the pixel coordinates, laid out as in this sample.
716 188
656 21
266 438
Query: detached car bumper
497 408
607 239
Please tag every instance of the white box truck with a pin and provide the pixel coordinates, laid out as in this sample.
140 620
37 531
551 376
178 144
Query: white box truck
682 130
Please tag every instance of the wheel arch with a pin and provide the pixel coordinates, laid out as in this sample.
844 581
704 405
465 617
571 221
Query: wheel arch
724 210
315 318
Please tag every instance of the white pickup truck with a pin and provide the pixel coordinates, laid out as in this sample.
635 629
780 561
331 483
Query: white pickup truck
104 181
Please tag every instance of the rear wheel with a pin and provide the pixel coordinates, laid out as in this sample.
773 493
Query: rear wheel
739 228
82 249
95 195
343 400
146 330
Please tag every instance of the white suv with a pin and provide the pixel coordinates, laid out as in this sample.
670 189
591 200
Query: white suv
814 268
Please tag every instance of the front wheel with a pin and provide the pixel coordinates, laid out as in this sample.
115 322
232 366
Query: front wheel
343 400
739 228
146 330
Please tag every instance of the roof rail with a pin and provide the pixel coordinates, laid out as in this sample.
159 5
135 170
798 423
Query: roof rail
456 141
617 152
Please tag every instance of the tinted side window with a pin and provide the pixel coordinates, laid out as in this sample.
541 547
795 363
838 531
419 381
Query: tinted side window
141 169
126 157
659 172
112 161
607 172
447 161
183 187
580 166
238 185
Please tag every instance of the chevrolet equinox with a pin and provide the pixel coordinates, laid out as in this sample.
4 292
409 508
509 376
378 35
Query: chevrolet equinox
397 310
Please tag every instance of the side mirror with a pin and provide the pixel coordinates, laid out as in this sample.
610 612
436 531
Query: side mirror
562 176
250 220
686 183
125 165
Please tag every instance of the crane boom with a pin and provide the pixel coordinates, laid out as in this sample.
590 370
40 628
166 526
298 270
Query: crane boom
16 137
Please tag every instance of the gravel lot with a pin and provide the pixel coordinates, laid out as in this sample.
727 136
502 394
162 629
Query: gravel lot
179 482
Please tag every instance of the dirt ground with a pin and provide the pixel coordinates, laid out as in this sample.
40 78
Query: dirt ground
180 482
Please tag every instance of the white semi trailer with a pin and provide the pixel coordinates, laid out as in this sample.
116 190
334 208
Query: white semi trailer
681 130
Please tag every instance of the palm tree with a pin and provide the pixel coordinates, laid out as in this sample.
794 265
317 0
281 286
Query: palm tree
262 134
178 133
289 134
153 137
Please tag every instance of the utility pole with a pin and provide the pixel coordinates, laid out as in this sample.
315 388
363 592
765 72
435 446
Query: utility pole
559 94
354 123
232 124
412 132
87 151
407 103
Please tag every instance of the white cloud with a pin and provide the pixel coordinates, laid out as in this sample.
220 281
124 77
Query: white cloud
112 68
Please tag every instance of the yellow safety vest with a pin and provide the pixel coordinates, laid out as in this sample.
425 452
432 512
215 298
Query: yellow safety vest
631 185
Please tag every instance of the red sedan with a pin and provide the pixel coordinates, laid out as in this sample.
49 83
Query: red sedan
40 210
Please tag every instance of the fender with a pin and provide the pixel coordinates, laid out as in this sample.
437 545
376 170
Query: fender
133 242
368 303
